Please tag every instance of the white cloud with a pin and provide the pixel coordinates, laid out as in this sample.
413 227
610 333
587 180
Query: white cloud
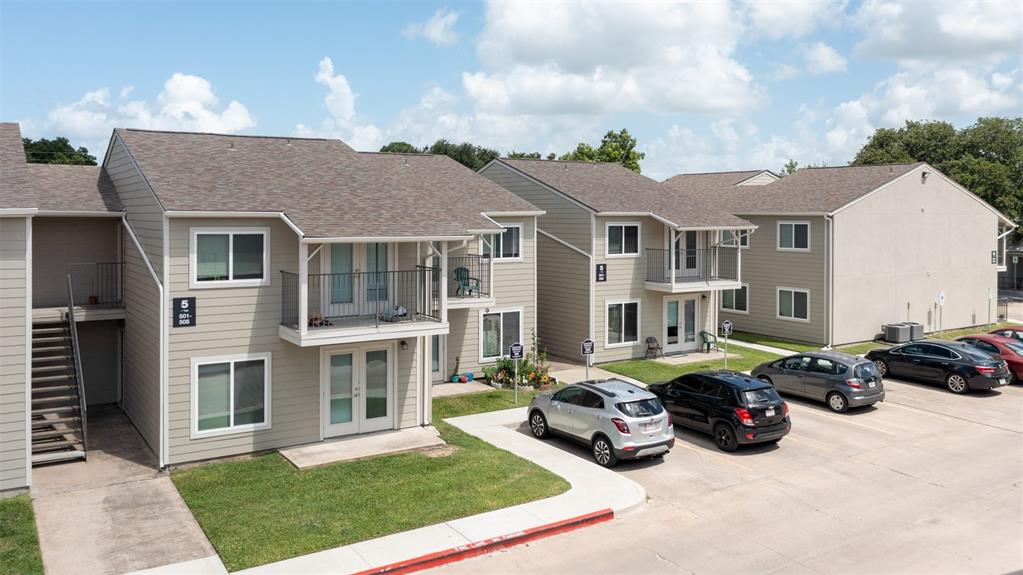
940 31
186 103
790 18
439 28
342 121
786 72
823 59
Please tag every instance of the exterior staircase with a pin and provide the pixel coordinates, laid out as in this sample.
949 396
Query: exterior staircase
58 394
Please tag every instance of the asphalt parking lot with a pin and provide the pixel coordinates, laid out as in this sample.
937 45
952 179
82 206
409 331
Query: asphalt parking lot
927 482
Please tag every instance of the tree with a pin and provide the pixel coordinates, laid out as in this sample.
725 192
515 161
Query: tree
790 167
56 151
401 148
615 147
523 155
470 156
985 158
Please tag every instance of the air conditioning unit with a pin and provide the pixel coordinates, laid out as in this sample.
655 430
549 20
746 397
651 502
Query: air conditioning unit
916 330
896 332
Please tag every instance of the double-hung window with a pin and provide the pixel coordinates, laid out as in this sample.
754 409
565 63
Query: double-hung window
622 240
794 236
498 331
622 323
736 300
230 394
236 257
732 239
506 245
793 304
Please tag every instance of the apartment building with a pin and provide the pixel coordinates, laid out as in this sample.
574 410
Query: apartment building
235 294
619 262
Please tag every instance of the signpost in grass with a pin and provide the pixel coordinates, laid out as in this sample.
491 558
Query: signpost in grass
515 352
726 330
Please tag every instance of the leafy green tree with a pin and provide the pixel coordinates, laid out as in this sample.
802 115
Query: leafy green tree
470 156
985 158
401 148
615 147
56 151
524 155
790 167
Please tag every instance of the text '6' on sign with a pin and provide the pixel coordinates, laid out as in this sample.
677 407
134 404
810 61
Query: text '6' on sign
516 351
184 312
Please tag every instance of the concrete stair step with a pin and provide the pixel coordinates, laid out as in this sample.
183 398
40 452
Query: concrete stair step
53 421
51 433
55 444
69 408
57 456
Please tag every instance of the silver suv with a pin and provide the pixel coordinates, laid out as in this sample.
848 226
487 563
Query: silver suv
616 419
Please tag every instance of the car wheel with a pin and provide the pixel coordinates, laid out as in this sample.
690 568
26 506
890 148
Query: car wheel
956 383
603 452
1013 378
538 425
724 437
836 402
765 379
882 367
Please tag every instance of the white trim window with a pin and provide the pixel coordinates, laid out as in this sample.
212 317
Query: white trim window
794 236
499 329
728 238
228 257
621 239
230 394
793 304
622 321
735 300
505 246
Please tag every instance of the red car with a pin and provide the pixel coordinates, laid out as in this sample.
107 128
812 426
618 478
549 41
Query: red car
1009 332
1007 348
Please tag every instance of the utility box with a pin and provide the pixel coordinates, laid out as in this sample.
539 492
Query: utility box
896 332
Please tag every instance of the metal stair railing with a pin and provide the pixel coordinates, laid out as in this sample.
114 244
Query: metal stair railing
79 379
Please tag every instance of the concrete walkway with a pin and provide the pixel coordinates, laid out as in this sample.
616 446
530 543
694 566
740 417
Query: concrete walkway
449 389
759 347
363 446
115 512
594 490
567 372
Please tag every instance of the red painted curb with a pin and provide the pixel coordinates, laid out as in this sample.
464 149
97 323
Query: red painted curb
485 546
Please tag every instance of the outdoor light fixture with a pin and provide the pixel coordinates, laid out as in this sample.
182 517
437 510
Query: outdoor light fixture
923 176
404 345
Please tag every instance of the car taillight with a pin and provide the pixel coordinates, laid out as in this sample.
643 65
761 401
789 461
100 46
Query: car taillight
785 408
984 369
744 416
854 383
620 424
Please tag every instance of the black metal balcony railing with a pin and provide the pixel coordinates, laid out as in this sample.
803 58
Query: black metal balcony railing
468 276
718 263
365 299
97 285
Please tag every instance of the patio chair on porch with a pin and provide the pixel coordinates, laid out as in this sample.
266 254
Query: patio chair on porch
466 285
653 348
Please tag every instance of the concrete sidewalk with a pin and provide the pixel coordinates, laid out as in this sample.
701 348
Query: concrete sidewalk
764 348
596 494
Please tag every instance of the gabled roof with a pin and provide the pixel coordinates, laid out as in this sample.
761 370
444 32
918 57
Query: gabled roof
806 191
64 188
14 189
324 187
614 189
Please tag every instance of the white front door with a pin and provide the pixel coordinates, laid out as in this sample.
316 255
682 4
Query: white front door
349 282
437 353
357 389
681 318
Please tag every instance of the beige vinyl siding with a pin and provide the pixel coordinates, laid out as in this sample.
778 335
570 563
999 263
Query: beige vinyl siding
563 297
140 392
514 287
13 326
143 209
564 218
897 249
760 179
765 268
67 241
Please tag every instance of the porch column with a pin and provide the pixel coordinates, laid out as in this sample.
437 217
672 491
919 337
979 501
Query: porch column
738 266
671 257
303 287
427 380
444 281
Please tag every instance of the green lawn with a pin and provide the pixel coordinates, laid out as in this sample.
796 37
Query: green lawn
262 510
649 371
19 545
771 341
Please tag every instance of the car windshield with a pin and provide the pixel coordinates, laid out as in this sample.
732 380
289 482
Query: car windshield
641 408
762 396
865 370
1017 348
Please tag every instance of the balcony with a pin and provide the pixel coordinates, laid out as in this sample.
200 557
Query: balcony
693 269
469 281
365 306
98 289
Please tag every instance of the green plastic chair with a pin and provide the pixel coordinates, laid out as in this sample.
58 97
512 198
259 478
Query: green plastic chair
466 285
709 341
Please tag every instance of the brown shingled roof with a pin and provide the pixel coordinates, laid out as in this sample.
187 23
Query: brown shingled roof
810 190
73 188
611 187
324 187
14 188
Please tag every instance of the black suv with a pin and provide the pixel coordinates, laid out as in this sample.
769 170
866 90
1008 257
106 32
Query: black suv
731 406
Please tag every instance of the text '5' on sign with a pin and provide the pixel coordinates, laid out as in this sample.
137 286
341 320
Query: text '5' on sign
184 312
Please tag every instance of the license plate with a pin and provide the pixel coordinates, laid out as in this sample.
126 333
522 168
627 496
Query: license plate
1001 381
770 412
871 385
648 427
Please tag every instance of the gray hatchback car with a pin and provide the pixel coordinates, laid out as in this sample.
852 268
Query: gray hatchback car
615 419
838 379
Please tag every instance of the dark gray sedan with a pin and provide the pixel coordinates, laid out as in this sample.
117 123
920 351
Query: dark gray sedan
838 379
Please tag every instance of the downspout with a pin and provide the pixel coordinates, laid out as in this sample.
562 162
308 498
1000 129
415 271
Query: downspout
829 278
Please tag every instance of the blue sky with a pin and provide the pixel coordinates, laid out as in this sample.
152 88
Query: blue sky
703 86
